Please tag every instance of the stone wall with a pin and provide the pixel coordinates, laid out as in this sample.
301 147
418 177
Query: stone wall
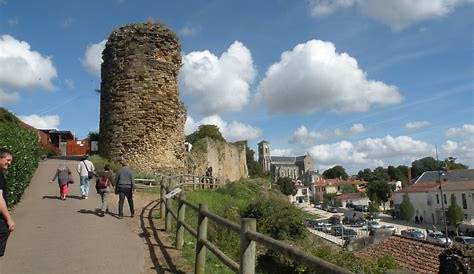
228 160
141 115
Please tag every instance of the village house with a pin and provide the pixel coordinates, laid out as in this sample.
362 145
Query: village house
329 186
425 195
303 194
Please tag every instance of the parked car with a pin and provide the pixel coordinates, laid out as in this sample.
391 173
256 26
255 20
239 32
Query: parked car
311 223
438 237
332 210
464 240
349 234
335 220
318 206
349 205
413 233
390 228
373 225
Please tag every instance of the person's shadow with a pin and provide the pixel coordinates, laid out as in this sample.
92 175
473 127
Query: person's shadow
53 197
95 212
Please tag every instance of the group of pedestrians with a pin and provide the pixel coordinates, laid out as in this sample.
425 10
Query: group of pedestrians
106 182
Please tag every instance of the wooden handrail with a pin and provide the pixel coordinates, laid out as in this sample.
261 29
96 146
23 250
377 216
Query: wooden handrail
248 237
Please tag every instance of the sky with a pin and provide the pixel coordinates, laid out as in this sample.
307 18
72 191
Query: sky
359 83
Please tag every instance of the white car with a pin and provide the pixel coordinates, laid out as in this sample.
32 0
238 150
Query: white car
373 225
437 237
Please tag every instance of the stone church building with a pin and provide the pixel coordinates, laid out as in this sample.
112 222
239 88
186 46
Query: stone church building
293 167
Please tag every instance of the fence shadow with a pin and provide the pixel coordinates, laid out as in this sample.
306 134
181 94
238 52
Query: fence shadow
149 238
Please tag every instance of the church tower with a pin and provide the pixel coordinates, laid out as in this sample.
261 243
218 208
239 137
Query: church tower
264 158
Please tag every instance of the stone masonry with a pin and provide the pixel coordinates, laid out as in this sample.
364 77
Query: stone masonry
141 115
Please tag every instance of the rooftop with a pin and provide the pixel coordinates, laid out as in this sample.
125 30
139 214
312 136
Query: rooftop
407 252
452 175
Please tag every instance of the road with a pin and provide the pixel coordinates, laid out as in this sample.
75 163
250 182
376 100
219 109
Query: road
59 237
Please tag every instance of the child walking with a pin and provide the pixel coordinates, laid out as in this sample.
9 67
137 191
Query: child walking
63 174
103 186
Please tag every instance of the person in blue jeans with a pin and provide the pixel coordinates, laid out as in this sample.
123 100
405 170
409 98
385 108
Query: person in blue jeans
124 185
85 168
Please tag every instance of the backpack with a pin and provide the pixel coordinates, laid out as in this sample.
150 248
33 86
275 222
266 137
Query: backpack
103 182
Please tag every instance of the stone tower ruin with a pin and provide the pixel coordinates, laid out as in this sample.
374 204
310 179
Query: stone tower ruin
141 115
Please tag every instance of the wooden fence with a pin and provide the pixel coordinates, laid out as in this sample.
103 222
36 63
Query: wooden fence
249 237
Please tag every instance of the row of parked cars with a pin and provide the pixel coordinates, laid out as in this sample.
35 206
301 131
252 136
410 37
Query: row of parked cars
333 228
326 207
436 237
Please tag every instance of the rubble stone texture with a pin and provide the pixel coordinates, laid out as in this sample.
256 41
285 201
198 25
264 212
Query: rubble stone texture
141 116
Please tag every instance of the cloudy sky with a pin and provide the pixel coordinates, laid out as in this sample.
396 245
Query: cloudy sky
359 83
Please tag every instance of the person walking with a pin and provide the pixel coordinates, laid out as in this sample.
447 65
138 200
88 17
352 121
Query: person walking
7 225
124 185
103 186
86 170
64 176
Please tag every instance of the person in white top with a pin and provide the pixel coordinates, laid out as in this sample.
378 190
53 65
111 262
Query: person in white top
85 168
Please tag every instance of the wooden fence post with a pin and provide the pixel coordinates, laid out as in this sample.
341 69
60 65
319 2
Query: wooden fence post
194 182
199 267
247 246
162 199
179 226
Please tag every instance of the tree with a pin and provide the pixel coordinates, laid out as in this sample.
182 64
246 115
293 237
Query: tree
93 136
374 207
455 214
365 175
407 211
203 131
335 172
379 191
424 164
348 189
328 198
380 174
451 164
286 186
254 168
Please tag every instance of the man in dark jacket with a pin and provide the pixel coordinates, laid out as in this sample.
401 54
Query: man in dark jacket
125 183
7 224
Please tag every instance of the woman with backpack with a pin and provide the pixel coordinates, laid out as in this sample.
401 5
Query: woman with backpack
104 186
64 176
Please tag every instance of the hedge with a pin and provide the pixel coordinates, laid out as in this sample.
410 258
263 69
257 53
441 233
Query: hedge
26 153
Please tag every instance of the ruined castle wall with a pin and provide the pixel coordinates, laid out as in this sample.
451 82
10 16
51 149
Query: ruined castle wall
141 115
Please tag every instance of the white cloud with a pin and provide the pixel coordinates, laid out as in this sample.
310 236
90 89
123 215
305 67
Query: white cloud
218 84
42 122
398 14
189 31
357 128
465 130
303 136
21 67
233 131
282 152
313 76
417 124
8 98
93 57
463 150
69 83
370 152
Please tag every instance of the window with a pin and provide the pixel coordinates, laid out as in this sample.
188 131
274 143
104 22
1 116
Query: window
437 199
445 200
464 202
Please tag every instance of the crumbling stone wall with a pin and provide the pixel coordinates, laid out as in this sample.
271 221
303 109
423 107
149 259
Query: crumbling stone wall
228 160
141 115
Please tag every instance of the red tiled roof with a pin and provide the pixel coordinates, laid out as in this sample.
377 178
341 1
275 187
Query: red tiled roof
428 186
351 196
417 256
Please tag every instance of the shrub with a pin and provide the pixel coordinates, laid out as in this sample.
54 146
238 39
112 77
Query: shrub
278 219
26 152
100 162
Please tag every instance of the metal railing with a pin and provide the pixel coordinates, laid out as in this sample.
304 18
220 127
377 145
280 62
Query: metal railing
249 237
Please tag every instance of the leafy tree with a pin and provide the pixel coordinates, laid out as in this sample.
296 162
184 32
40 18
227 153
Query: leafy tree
254 168
380 174
276 218
364 174
424 164
335 172
203 131
93 136
286 186
451 164
374 207
348 189
407 211
455 214
379 191
328 198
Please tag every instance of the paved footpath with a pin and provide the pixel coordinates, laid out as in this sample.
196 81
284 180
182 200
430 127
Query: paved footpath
59 237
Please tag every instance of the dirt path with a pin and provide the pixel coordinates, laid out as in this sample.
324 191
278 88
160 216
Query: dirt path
58 237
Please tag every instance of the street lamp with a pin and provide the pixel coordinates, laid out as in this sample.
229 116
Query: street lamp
443 200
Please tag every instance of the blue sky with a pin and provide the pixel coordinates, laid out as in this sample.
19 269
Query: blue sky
359 83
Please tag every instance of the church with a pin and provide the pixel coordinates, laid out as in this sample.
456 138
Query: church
293 167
